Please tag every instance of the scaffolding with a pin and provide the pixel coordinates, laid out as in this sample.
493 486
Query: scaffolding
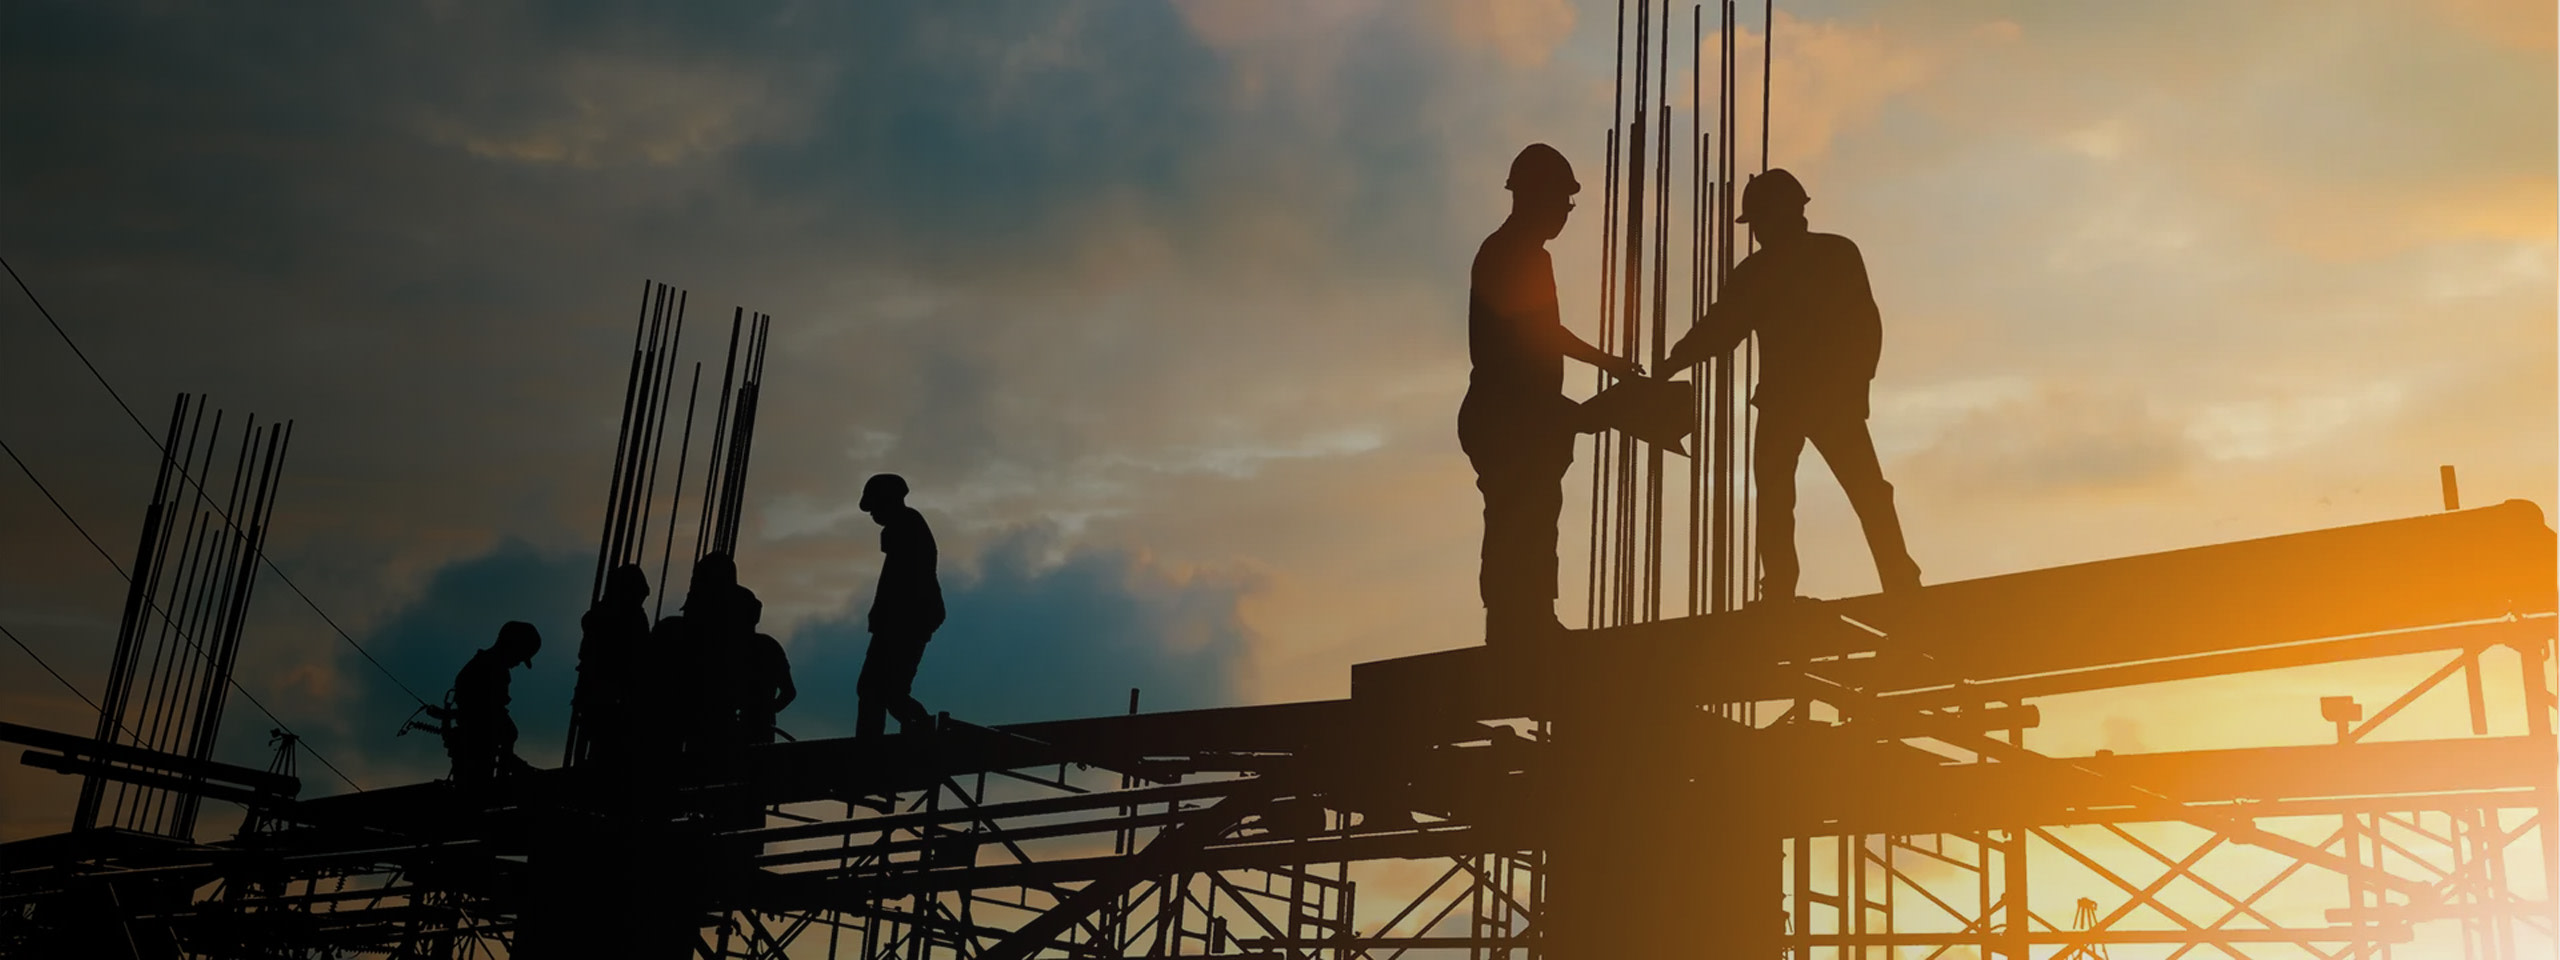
1588 799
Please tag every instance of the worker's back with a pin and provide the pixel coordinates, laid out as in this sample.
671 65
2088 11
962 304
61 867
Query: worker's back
909 598
480 688
1815 313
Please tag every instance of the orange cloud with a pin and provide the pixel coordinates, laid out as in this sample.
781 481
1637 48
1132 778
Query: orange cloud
1524 33
1829 77
2517 24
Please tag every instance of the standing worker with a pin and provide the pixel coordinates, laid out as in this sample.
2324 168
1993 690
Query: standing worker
614 639
1516 425
1806 295
479 735
763 673
689 707
904 612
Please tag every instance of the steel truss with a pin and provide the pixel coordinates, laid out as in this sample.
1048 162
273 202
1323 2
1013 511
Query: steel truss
1816 780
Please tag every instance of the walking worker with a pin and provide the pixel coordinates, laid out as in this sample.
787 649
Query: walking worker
905 611
479 735
1516 425
1806 295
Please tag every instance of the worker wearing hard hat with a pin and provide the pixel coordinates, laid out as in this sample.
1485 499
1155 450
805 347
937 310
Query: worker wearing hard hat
905 611
479 735
1516 425
1806 295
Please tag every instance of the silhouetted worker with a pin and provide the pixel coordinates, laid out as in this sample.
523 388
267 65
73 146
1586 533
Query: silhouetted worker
479 735
614 641
763 673
904 612
690 706
1806 295
1516 425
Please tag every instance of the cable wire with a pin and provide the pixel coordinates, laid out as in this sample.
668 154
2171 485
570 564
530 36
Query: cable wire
155 605
191 480
66 512
93 705
48 668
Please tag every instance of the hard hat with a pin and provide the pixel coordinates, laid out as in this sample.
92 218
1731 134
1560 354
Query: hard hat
714 576
1773 192
1540 169
520 640
627 582
882 491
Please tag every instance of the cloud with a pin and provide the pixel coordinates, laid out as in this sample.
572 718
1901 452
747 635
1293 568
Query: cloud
605 109
1182 287
2520 24
430 637
2048 441
1043 630
1038 629
1524 33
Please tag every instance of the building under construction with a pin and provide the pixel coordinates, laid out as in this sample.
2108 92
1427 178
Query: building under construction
1826 779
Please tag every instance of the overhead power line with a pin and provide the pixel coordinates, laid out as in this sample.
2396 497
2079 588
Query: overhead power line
191 481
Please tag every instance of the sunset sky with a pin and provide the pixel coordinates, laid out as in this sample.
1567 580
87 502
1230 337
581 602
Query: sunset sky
1160 308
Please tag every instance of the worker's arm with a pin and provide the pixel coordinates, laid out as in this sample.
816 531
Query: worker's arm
1728 320
1576 348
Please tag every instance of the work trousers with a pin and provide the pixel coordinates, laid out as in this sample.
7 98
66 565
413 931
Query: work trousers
1520 449
888 674
1851 453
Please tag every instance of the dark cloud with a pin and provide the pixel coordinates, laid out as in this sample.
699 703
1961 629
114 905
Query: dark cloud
1090 264
457 614
1038 631
1042 631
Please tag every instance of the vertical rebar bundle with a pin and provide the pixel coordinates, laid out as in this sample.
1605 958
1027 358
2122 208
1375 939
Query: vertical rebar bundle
648 399
631 493
733 436
179 638
1634 509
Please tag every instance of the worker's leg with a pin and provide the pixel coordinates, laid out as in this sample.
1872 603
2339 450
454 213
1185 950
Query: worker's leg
871 713
1773 475
1523 500
902 702
1851 452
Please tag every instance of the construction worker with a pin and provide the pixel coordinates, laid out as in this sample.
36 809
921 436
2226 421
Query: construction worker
1516 425
614 638
905 610
691 707
1806 295
762 672
479 735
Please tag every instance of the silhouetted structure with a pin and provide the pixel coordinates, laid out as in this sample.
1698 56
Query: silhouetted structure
1516 425
1806 295
1637 813
479 732
905 610
639 449
186 602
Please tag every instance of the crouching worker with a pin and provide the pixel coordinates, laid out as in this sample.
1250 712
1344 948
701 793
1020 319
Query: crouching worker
478 734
